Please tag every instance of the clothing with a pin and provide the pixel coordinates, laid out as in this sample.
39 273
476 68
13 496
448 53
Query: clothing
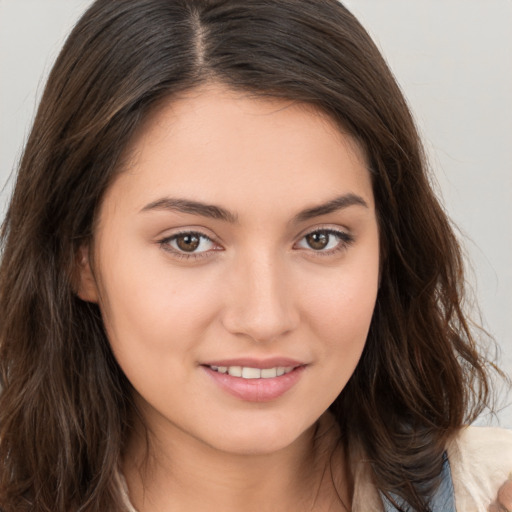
124 490
478 462
482 461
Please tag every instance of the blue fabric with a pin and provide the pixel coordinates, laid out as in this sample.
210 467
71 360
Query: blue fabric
442 501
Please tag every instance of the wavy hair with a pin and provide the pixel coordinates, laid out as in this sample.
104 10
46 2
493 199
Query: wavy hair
65 406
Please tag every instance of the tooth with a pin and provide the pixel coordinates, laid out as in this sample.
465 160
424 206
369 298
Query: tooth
268 373
235 371
248 372
216 368
251 373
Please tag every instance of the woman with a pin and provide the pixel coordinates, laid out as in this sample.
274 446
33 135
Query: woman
226 281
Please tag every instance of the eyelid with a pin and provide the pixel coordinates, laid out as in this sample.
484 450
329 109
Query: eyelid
164 243
345 240
324 227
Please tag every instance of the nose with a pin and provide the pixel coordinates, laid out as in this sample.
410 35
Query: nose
259 302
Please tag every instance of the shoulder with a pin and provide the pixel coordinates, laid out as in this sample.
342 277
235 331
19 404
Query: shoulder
480 461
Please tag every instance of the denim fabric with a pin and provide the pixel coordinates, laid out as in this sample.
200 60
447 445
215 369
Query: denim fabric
442 501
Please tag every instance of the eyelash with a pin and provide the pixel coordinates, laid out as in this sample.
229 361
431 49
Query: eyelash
345 241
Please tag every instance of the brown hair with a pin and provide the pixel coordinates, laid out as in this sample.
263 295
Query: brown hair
65 407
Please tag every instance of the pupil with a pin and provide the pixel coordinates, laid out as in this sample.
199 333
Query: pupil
188 243
317 240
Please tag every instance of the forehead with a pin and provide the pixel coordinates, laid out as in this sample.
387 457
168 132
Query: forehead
216 144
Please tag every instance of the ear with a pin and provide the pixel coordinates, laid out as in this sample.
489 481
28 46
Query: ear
85 283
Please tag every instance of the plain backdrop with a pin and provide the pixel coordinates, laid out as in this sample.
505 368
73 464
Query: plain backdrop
453 60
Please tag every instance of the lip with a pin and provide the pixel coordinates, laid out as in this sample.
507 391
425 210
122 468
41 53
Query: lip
256 390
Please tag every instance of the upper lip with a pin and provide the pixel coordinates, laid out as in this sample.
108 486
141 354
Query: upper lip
251 362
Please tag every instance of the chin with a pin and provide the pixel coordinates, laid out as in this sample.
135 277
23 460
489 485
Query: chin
259 439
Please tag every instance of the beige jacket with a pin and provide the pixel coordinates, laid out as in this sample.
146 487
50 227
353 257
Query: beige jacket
480 462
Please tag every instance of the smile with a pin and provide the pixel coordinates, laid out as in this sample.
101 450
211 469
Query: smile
253 384
246 372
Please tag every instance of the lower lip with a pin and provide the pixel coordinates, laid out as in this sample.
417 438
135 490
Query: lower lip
256 390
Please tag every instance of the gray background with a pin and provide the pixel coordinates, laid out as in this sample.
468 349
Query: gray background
453 59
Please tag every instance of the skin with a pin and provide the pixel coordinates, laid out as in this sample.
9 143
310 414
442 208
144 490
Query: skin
258 289
504 501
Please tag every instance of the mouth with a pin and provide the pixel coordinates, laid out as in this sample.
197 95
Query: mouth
256 381
249 372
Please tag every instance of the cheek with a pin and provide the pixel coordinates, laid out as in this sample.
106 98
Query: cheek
343 322
340 313
155 320
151 307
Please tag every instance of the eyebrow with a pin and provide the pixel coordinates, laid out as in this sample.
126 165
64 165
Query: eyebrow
217 212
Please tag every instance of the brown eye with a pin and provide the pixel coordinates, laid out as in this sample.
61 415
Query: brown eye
318 240
188 242
325 241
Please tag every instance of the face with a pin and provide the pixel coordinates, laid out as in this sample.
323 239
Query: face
236 265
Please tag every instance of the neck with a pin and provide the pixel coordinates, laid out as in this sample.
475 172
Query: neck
179 473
